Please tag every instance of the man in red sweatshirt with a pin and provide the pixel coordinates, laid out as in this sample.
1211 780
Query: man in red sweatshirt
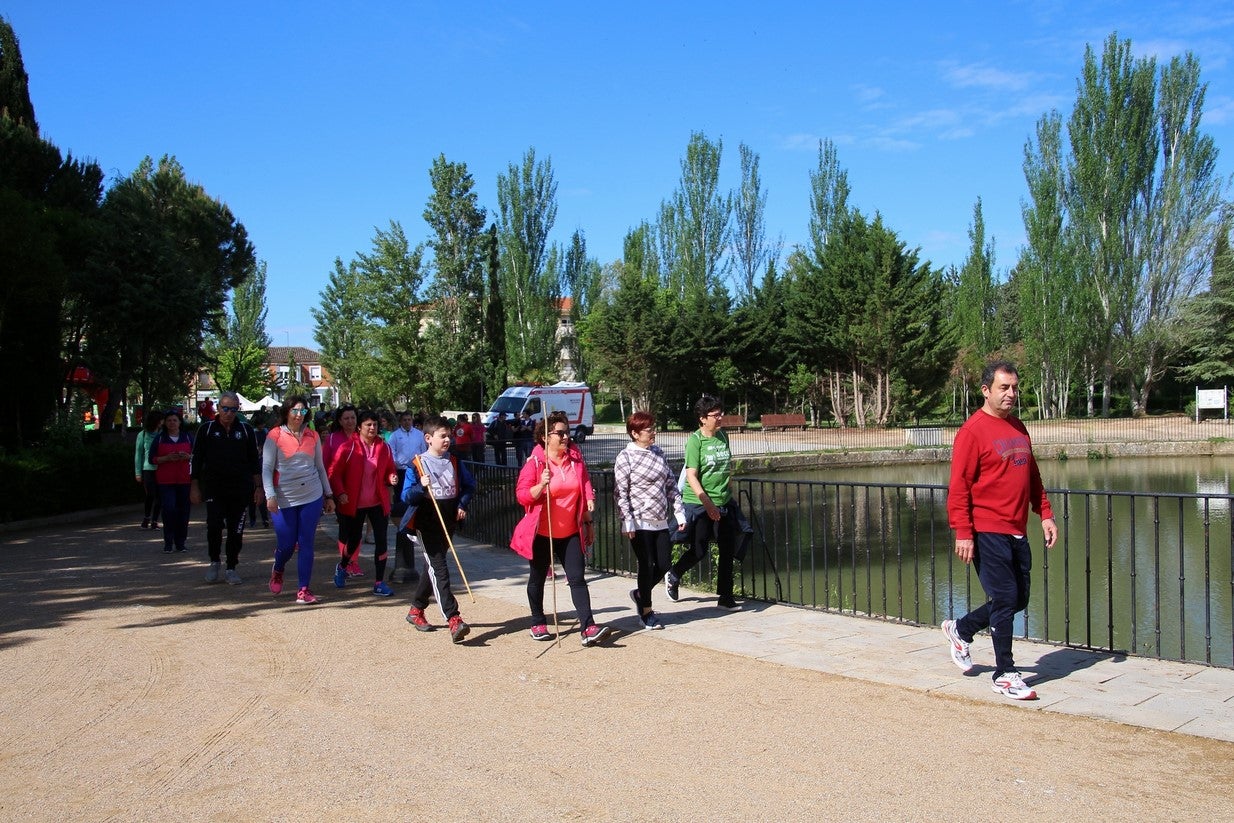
994 482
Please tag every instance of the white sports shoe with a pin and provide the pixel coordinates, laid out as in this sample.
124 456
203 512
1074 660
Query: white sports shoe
959 649
232 577
214 572
1012 685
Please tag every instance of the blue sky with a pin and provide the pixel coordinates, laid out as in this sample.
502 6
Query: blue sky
318 122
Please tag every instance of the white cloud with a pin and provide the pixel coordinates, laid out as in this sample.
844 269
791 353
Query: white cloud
868 94
800 142
977 75
1219 111
886 143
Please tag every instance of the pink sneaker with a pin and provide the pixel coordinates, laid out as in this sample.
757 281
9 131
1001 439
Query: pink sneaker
276 582
305 597
354 570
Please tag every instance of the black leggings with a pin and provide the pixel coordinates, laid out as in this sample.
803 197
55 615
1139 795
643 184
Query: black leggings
568 551
351 531
654 552
154 505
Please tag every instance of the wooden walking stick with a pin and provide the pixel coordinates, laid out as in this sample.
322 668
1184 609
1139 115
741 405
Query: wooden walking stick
446 532
548 507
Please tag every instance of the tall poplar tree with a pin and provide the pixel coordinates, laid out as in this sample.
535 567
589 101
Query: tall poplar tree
527 210
755 253
453 341
974 296
1113 149
1184 207
237 356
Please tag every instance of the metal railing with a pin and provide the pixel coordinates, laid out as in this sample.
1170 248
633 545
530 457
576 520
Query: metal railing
1137 573
1073 437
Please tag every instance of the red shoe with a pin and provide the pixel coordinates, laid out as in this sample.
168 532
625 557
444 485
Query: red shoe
416 618
354 570
276 582
458 629
305 597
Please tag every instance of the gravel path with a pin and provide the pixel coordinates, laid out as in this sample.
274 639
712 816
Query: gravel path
134 691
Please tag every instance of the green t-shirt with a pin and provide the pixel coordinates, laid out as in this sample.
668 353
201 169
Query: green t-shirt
712 458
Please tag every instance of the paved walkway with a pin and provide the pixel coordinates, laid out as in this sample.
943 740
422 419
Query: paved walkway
1177 697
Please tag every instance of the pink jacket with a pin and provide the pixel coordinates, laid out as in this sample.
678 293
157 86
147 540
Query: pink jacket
525 531
347 471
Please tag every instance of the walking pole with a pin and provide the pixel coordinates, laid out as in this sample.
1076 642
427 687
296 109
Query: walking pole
548 507
449 542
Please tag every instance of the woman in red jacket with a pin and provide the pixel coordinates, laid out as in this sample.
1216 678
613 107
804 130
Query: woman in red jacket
170 453
556 491
361 475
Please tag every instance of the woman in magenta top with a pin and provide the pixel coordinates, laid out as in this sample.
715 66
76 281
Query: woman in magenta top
361 476
556 491
169 454
342 431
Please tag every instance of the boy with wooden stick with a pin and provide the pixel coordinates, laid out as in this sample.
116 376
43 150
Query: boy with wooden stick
435 478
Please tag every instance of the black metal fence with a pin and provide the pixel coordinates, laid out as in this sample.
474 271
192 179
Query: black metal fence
1138 573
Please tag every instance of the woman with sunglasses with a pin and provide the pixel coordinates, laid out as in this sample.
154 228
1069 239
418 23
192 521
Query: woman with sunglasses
298 497
555 489
711 511
648 500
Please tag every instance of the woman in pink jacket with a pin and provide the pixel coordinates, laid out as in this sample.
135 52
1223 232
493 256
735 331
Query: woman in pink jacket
361 475
556 491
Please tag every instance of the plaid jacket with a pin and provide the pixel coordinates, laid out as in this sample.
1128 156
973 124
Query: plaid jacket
646 487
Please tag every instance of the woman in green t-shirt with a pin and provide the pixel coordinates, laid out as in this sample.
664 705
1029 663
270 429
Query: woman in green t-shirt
710 508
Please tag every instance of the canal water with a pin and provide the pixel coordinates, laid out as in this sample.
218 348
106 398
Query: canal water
1143 562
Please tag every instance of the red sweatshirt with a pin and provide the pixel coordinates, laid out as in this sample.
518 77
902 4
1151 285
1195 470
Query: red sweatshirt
994 478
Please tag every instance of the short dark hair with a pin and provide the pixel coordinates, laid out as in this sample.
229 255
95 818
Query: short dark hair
639 421
706 405
153 420
368 414
434 423
1005 366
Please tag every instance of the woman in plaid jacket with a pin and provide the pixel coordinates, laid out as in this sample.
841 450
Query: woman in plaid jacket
647 500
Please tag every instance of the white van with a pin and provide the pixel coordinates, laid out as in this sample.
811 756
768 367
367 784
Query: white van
572 398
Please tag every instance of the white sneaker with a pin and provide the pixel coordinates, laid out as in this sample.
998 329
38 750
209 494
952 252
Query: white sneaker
232 577
1012 685
959 649
213 572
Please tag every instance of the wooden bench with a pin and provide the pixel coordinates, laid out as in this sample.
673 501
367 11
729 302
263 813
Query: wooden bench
930 436
771 422
733 422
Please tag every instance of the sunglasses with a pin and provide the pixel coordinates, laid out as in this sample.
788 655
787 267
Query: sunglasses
229 408
560 433
299 412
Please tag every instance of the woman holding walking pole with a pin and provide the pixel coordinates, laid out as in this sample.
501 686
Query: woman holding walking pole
556 491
